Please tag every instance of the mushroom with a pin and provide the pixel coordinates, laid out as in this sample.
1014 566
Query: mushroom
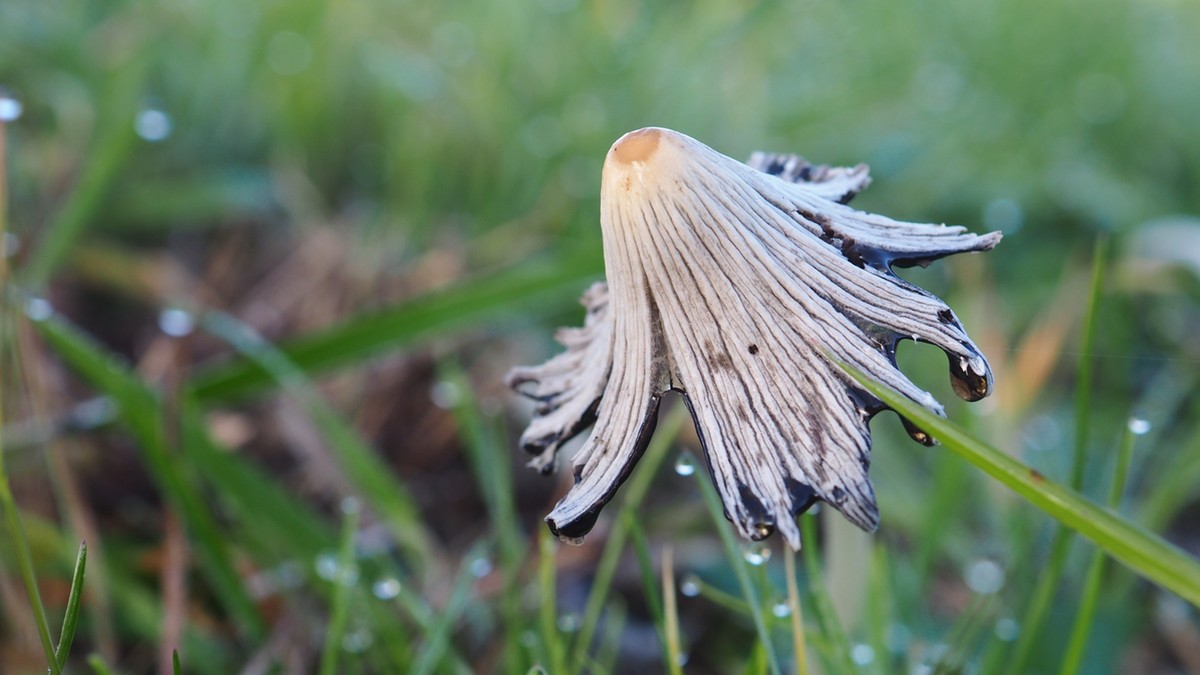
735 284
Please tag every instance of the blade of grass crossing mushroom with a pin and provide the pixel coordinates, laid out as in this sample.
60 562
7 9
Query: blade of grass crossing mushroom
71 617
362 464
1142 551
732 552
1048 582
1086 615
634 492
838 645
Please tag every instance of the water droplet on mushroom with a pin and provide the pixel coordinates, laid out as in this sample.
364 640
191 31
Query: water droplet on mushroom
1007 629
984 576
10 108
386 589
176 322
862 654
37 309
153 125
685 464
781 610
1139 426
480 567
690 586
757 554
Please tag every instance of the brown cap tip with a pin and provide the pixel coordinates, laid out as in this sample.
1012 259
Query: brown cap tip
636 146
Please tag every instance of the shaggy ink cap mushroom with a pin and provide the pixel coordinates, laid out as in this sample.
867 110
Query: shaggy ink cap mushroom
733 284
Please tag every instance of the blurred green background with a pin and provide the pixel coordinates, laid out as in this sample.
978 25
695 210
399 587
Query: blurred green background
402 198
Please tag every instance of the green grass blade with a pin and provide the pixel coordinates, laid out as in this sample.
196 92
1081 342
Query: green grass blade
343 582
363 466
654 602
671 614
838 645
71 618
176 667
369 334
1147 554
141 410
552 639
796 615
110 153
99 666
732 551
634 492
438 642
1086 615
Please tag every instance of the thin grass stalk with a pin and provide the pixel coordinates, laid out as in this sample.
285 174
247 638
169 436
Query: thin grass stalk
654 603
98 665
176 667
434 651
635 491
671 613
827 618
12 518
732 552
1086 616
547 579
1060 547
342 584
797 617
71 618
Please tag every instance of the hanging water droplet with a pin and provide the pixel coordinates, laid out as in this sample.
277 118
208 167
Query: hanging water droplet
1139 426
568 623
690 586
153 125
481 567
10 108
37 309
350 506
176 322
862 654
685 464
984 576
814 509
781 610
386 589
1007 629
357 641
757 554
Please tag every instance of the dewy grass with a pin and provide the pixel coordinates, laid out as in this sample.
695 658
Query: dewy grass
1144 552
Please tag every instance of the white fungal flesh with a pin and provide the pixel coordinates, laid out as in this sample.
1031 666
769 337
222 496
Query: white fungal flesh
731 283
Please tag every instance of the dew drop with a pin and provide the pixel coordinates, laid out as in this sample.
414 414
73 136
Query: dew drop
568 623
153 125
38 309
93 413
350 506
176 322
862 654
781 610
685 464
529 638
357 641
10 108
984 576
445 395
327 565
481 567
1139 426
386 589
1007 629
10 245
690 586
757 554
682 658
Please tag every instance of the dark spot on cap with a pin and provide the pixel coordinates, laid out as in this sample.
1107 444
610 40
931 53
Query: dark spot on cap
753 349
838 494
945 316
803 496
